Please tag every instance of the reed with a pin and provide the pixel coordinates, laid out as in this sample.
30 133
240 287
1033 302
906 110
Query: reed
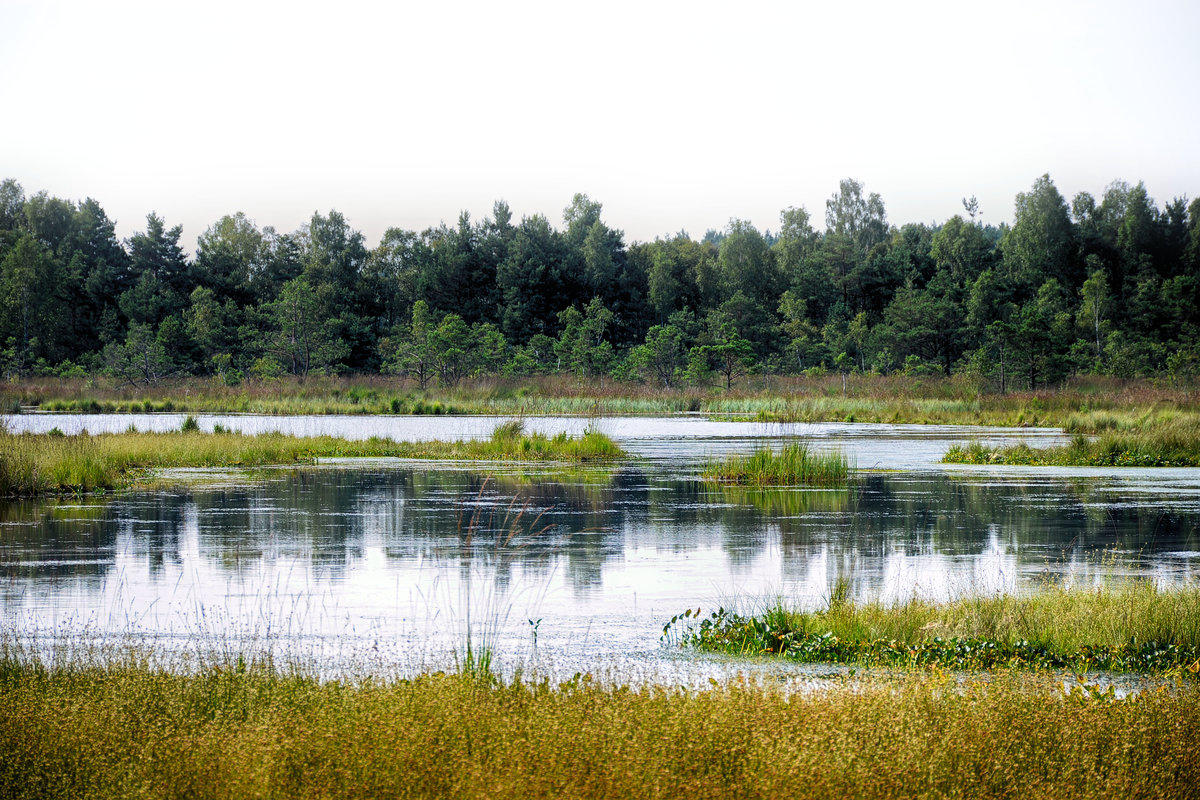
864 398
1161 440
793 465
125 729
1133 627
33 464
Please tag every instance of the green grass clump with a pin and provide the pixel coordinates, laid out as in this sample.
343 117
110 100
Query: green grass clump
794 465
1130 628
1170 441
242 730
32 464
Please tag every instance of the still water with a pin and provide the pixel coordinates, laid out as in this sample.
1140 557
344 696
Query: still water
574 569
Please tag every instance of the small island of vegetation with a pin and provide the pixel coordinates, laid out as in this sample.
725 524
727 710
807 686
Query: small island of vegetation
1131 628
33 464
794 465
1108 440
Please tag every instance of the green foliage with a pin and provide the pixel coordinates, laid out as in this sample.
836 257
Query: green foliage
301 340
1127 628
27 304
1108 288
583 348
1173 441
32 464
794 465
661 356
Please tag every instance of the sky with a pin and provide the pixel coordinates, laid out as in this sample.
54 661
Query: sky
674 115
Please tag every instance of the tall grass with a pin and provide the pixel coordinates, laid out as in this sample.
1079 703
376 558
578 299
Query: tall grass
1171 440
865 398
128 730
793 465
1130 626
44 463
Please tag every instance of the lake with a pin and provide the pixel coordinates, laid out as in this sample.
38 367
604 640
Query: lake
569 569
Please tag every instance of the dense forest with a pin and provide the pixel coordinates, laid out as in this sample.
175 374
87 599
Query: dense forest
1108 286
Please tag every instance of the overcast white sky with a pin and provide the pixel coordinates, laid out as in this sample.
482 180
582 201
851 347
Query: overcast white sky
675 115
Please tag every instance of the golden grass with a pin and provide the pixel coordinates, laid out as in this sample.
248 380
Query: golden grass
126 730
1060 617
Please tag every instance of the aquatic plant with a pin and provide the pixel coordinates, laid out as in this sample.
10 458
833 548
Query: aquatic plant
42 463
869 398
490 534
1130 628
793 465
1171 441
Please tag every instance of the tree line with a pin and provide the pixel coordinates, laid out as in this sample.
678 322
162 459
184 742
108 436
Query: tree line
1105 286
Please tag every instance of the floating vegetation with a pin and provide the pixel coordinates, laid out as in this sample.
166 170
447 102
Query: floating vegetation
794 465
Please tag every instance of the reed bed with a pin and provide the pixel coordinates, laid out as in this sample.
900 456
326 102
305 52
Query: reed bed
864 398
243 730
793 465
1133 627
1165 440
32 464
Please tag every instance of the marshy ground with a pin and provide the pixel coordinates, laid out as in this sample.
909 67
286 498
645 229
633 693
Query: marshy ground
971 700
126 729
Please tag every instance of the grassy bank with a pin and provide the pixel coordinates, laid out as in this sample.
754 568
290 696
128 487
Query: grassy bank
1133 628
126 730
33 464
864 398
1163 440
793 465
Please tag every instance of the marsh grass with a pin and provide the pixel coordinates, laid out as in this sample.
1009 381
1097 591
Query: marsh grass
793 465
33 464
490 537
242 729
865 398
1133 627
1159 440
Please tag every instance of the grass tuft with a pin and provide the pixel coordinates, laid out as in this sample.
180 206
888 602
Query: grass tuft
794 465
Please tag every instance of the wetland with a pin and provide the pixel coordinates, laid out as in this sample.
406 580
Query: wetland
363 626
410 556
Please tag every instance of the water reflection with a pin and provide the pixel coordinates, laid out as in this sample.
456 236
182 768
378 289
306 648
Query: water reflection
601 542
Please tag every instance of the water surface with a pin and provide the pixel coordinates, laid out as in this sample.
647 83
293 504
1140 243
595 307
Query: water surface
404 558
